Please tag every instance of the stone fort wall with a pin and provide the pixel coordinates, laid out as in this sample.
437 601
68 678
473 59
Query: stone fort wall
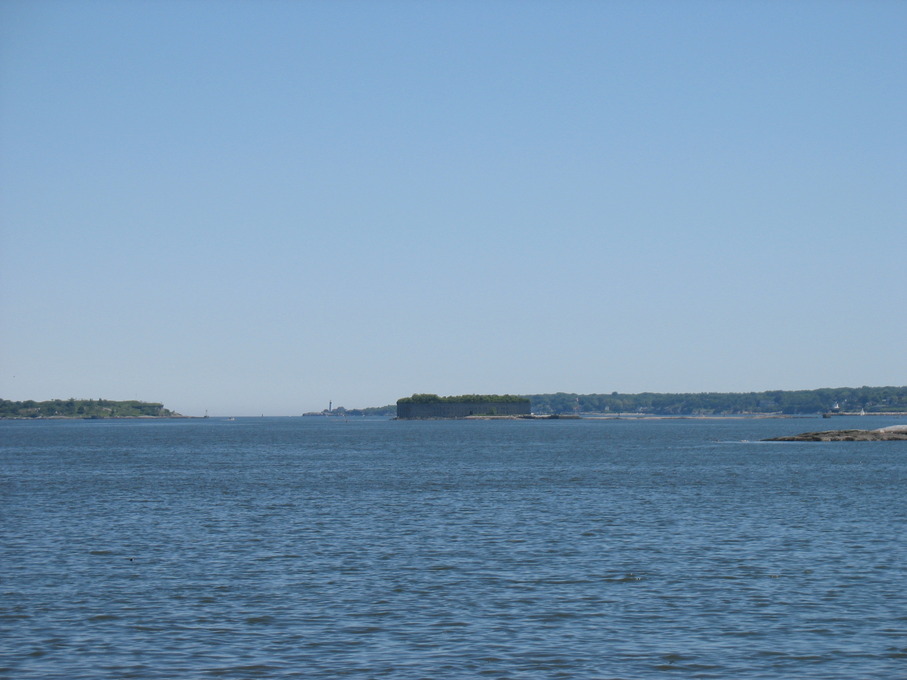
463 409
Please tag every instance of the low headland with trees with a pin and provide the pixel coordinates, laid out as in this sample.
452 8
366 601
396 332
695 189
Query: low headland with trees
836 400
831 400
84 408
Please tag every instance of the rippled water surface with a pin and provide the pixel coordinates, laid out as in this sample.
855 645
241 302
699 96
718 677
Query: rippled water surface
329 548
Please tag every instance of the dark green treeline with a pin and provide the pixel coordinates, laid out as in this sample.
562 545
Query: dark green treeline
82 408
849 399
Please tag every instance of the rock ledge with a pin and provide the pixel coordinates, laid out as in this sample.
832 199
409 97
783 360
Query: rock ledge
885 434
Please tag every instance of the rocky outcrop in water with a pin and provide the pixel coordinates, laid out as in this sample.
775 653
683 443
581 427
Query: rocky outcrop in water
885 434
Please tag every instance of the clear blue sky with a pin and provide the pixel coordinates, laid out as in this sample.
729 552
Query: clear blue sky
257 207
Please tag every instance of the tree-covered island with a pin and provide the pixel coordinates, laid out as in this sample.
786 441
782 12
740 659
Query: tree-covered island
829 400
84 408
832 400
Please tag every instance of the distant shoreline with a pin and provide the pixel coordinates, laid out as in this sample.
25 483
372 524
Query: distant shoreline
646 416
554 416
83 409
175 416
629 416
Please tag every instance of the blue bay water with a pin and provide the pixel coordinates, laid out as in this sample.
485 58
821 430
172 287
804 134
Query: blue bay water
328 548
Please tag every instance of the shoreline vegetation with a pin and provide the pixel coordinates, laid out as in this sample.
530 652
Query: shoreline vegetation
835 401
84 409
832 401
841 401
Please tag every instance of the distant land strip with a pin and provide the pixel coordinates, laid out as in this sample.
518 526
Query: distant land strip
831 401
835 400
83 408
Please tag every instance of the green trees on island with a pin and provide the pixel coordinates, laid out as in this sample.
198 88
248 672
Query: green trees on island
788 402
82 408
849 399
844 399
